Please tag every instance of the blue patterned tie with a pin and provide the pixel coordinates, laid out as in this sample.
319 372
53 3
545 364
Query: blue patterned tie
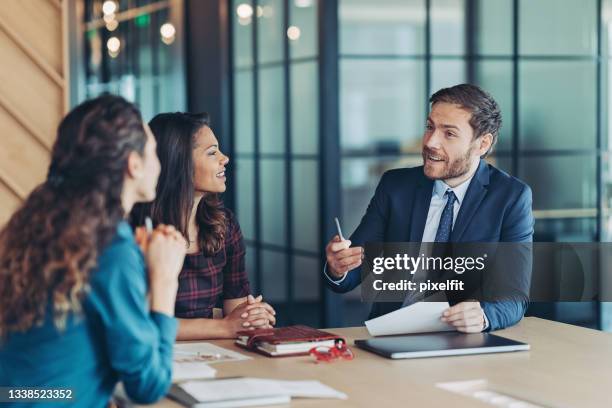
446 220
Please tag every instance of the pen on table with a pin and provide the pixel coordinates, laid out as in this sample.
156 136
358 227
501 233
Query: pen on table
198 354
338 228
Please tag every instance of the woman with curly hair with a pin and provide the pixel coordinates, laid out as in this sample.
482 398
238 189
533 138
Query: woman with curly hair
81 307
192 177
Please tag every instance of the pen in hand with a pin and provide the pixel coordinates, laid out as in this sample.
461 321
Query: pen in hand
143 234
338 228
341 257
148 226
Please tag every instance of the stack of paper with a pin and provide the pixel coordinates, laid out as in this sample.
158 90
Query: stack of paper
422 317
242 392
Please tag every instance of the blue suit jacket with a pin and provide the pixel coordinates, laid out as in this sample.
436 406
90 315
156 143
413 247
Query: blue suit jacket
496 208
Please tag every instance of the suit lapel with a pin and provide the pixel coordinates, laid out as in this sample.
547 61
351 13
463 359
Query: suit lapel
422 199
473 197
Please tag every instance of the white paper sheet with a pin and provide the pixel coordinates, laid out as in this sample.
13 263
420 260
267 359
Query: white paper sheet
191 360
235 388
245 388
422 317
309 389
191 370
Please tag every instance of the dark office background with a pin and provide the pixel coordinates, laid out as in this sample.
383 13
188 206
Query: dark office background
314 100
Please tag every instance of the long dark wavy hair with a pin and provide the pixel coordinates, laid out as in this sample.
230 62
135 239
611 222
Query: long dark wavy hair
175 134
52 242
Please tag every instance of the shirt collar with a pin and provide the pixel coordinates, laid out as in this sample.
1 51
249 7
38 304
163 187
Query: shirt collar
440 188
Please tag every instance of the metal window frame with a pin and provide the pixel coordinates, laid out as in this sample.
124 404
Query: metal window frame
330 153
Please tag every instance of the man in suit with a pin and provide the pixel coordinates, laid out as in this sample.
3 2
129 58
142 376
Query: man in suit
454 197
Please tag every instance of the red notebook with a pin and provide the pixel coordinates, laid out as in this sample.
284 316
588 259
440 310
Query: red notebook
286 341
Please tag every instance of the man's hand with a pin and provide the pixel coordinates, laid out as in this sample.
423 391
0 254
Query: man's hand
467 317
341 258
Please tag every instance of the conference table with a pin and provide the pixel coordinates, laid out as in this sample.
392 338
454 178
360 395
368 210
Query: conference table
567 366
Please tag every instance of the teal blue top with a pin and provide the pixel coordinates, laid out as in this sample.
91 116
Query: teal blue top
116 339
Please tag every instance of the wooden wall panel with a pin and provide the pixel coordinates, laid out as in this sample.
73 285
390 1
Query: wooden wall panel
38 24
26 88
22 158
33 93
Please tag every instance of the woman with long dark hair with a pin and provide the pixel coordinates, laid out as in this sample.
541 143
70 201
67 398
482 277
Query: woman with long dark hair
74 312
192 177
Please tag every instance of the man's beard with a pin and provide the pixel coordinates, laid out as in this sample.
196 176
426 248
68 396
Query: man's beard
457 168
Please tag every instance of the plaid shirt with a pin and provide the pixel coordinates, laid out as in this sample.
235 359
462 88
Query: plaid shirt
206 281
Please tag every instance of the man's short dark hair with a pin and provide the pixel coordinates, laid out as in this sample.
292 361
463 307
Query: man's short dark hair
486 115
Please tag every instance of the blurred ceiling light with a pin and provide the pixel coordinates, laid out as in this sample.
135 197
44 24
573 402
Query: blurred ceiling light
167 30
113 54
112 25
109 7
168 40
168 33
303 3
113 44
259 11
244 10
293 33
244 21
108 18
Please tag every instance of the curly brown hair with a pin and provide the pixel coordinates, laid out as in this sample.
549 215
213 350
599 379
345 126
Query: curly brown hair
50 244
175 134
